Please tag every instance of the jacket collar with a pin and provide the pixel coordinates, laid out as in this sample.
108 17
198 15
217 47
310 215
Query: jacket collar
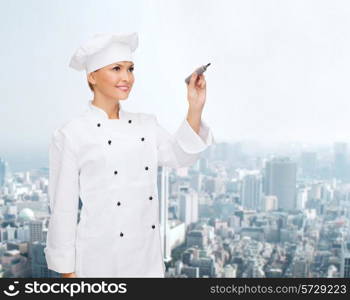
102 114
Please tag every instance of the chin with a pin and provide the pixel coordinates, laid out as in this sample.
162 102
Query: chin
119 96
123 97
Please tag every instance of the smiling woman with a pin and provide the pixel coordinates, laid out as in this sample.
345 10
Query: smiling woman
109 157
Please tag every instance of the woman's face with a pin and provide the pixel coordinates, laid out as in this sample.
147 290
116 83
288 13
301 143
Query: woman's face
114 81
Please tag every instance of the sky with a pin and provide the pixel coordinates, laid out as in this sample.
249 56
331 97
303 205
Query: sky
279 71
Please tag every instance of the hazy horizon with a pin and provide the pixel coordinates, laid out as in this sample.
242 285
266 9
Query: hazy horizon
279 70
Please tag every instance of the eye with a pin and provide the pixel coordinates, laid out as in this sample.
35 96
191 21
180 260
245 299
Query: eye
117 68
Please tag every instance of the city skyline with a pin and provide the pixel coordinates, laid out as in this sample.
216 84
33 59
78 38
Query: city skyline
231 203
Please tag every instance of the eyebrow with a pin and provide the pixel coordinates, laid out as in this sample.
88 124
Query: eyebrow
131 65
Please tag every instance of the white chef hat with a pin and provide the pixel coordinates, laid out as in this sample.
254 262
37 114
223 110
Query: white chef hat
104 49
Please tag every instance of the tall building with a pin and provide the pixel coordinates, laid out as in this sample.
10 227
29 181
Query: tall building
11 233
270 203
163 197
39 264
308 163
251 191
196 181
35 231
340 160
196 238
280 181
299 267
345 261
188 206
230 271
3 171
23 233
302 197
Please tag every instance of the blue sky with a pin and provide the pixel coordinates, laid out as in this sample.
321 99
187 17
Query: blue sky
280 69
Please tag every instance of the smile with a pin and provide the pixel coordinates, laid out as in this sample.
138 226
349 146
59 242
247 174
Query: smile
123 88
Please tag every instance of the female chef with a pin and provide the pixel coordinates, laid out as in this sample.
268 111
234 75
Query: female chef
108 157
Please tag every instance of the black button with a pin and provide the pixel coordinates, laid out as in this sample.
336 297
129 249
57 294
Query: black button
146 168
129 121
109 142
115 172
98 124
153 226
142 139
150 198
121 234
118 203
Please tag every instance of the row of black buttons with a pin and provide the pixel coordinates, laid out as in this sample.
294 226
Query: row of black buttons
116 172
99 124
122 234
150 198
110 142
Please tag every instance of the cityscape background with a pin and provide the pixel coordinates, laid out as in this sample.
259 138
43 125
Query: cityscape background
269 199
232 214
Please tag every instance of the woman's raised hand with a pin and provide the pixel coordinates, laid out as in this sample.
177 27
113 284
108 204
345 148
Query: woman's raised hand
196 92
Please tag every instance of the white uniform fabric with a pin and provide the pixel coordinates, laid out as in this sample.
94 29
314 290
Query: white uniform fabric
111 164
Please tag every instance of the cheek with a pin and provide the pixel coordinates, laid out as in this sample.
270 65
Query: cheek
110 78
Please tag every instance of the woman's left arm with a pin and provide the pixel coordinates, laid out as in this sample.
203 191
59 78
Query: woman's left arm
192 137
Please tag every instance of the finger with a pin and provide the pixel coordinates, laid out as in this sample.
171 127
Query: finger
202 83
201 80
193 79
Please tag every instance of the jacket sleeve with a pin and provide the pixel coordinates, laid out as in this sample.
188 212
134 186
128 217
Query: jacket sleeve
184 147
63 204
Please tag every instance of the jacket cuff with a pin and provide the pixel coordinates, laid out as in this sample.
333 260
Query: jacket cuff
190 141
61 262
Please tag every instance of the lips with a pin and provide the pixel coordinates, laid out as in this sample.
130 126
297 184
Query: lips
123 88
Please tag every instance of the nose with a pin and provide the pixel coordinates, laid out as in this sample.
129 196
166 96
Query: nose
126 76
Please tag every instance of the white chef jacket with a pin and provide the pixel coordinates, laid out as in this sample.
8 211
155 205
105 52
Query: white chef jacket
111 164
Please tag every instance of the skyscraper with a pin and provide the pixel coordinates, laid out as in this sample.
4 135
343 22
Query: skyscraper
345 260
36 231
308 162
188 206
39 264
3 171
280 181
163 197
251 191
340 160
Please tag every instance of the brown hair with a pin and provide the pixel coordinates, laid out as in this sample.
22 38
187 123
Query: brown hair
91 86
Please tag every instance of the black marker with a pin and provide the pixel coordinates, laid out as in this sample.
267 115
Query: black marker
199 71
